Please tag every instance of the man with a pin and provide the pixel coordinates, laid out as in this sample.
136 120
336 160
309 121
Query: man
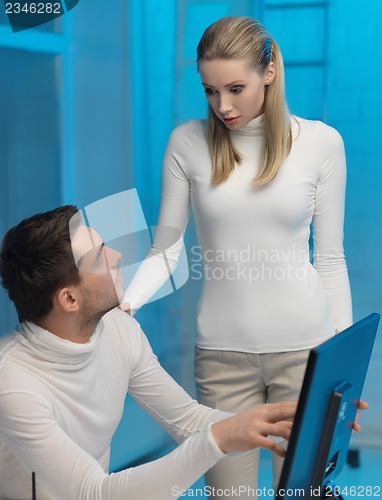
66 368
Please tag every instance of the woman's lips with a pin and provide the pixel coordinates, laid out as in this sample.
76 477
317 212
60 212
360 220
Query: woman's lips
231 121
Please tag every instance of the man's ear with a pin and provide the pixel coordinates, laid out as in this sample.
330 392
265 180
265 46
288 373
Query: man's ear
66 299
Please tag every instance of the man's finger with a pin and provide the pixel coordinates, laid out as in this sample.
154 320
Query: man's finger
281 411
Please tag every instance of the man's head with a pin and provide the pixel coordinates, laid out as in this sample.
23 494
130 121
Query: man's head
37 260
47 262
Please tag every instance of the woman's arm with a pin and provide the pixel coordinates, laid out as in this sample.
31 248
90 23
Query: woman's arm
328 222
163 257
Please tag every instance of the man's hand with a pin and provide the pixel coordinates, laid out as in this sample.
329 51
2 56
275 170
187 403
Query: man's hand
362 405
253 428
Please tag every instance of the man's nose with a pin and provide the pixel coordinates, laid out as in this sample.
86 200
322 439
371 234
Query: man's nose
112 256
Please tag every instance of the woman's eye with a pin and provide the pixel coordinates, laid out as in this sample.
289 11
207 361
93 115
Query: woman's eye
236 90
209 91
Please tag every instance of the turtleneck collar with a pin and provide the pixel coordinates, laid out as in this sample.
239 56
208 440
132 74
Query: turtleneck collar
54 348
254 128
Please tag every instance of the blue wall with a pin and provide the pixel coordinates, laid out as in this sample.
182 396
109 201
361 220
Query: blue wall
87 104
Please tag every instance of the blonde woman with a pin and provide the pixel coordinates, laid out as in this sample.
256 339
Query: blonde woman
256 178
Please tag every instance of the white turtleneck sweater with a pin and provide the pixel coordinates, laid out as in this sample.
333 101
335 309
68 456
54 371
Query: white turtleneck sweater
60 403
260 292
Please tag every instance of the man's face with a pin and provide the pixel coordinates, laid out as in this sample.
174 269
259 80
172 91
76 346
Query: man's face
101 281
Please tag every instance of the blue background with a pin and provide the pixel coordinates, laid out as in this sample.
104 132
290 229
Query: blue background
88 100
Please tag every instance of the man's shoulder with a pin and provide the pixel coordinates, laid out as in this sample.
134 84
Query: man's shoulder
8 344
124 337
16 373
121 325
120 319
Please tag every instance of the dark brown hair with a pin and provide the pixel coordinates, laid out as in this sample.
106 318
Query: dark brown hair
37 260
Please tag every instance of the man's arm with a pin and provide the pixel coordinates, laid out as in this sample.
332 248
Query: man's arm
65 471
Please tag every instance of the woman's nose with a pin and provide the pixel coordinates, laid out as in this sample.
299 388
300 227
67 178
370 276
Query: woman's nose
224 105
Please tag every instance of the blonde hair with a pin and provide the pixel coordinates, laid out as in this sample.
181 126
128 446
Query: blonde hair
244 37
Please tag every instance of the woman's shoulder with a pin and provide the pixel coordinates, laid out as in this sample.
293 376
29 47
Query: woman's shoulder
187 138
191 128
316 128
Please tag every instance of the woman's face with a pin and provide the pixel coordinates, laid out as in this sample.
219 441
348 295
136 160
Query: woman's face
234 89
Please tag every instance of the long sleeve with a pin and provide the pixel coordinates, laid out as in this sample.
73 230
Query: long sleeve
67 472
328 221
31 425
165 400
163 257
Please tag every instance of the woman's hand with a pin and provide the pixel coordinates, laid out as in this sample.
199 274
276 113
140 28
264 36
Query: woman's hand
125 306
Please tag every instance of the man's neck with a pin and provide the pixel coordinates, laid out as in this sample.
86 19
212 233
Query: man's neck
70 328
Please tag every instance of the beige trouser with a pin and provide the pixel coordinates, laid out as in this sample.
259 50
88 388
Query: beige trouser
235 381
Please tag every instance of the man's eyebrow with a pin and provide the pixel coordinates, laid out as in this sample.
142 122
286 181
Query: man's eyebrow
99 251
91 236
90 253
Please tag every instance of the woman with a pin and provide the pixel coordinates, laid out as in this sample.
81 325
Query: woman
256 178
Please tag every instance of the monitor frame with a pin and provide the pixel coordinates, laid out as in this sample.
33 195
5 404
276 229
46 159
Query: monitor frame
326 410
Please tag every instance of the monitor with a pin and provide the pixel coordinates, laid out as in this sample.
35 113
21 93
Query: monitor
327 407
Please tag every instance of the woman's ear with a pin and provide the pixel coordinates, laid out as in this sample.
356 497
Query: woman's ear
66 299
270 73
